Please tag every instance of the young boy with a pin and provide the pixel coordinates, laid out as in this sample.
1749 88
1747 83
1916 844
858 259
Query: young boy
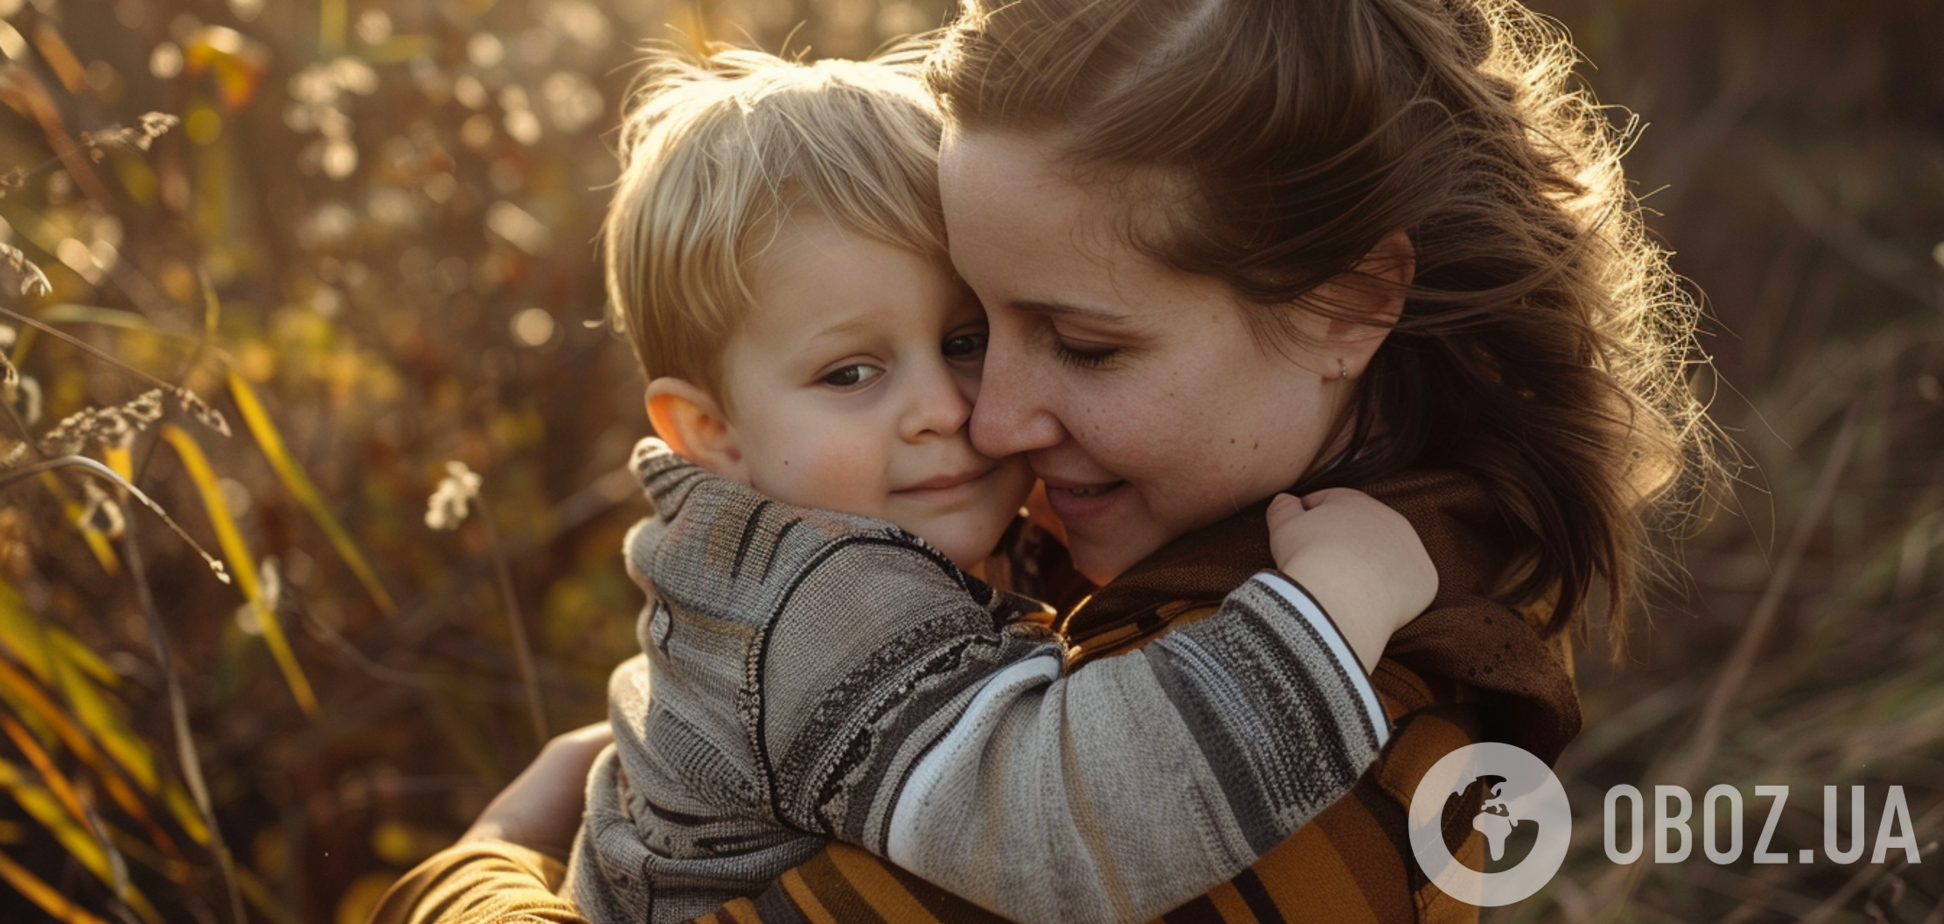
777 256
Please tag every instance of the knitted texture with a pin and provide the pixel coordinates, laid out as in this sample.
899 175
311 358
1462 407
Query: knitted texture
810 676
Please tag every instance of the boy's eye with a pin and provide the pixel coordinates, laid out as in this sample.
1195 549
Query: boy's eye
965 346
852 375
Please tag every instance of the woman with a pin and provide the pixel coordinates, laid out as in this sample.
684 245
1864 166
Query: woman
1228 247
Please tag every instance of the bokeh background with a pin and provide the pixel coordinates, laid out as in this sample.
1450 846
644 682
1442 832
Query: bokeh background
366 242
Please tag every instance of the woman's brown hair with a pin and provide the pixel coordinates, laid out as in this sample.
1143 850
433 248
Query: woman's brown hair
1544 341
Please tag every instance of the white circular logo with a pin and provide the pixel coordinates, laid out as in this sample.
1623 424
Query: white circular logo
1522 811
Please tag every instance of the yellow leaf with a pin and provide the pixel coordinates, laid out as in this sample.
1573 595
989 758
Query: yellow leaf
361 897
56 783
76 514
69 313
29 701
184 810
20 634
242 563
29 638
104 717
260 897
78 842
118 458
61 662
38 710
46 896
81 656
331 19
300 485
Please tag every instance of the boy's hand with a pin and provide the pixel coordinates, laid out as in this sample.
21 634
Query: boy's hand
1360 559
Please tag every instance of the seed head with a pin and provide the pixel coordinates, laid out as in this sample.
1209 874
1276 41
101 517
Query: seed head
19 273
448 506
113 426
196 407
138 137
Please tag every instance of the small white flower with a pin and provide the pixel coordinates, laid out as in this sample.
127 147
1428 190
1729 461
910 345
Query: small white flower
270 584
449 504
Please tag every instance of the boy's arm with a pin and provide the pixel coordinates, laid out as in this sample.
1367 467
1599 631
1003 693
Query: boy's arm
896 704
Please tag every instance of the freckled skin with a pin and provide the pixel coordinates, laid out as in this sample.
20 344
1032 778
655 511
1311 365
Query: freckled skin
831 303
1144 445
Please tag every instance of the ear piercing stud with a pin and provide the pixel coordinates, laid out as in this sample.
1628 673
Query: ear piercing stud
1343 371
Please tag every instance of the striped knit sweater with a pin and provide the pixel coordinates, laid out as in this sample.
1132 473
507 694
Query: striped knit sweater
812 676
1469 669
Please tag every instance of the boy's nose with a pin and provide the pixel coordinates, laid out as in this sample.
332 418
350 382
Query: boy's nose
937 408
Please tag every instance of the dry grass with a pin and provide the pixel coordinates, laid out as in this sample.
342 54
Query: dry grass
367 244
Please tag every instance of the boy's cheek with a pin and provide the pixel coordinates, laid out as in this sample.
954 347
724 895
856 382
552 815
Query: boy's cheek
833 477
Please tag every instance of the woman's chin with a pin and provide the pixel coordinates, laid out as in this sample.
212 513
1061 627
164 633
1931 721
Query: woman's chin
1103 561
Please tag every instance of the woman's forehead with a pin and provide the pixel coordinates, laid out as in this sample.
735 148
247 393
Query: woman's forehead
1010 196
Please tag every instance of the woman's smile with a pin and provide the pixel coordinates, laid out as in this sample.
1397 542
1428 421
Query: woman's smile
1076 503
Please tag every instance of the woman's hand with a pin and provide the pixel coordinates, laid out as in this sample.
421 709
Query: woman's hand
1361 560
541 808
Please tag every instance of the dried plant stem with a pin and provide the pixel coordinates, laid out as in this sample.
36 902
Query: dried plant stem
84 347
179 716
20 426
323 632
1618 885
108 474
522 652
1870 872
1707 734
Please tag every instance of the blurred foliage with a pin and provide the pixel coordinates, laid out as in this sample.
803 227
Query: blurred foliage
366 242
1794 154
367 246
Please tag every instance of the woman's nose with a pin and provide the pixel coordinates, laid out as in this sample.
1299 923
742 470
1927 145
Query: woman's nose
1012 414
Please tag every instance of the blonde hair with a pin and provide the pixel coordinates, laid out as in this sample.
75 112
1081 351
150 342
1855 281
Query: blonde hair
1544 341
717 152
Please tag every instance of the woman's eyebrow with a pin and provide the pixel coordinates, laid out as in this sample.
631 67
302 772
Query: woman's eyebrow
1062 309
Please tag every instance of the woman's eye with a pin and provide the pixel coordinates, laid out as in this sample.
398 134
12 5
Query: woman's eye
852 375
1084 357
965 346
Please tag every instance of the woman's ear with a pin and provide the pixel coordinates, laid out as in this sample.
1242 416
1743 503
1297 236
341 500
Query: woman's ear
691 421
1374 297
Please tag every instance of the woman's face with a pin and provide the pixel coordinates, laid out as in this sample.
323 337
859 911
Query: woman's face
1137 391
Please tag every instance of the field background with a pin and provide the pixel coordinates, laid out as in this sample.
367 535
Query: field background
367 246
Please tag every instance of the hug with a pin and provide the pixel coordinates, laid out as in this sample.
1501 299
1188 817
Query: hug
1321 343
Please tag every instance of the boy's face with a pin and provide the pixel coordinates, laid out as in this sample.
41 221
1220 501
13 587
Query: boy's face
851 382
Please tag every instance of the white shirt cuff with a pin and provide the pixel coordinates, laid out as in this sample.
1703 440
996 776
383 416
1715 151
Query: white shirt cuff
1326 629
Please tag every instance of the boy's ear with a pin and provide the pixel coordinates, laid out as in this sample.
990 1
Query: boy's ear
691 421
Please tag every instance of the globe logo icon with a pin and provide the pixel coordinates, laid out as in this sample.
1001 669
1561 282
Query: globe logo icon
1508 796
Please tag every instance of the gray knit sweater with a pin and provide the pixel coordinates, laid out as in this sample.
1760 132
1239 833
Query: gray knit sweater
811 675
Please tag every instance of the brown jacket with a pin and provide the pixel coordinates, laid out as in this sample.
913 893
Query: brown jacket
1467 670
